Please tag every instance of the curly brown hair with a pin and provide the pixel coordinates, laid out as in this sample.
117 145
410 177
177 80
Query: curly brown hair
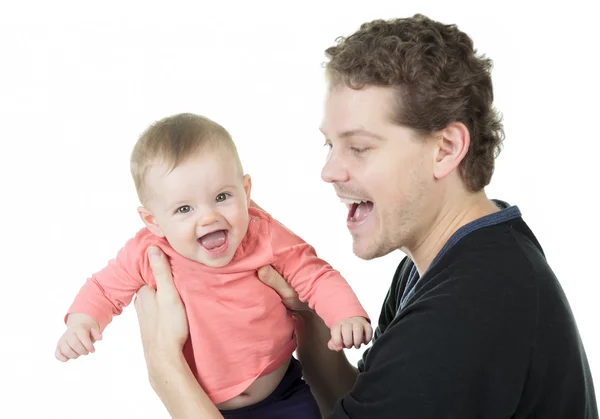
439 79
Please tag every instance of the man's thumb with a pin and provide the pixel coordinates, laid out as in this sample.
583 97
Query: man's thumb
271 278
265 274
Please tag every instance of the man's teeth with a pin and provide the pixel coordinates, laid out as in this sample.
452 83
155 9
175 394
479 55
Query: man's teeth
352 201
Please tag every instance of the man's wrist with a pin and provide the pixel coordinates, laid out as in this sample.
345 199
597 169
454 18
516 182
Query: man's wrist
163 364
306 315
311 331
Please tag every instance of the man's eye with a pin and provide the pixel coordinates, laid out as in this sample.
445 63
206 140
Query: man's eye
184 209
358 150
221 197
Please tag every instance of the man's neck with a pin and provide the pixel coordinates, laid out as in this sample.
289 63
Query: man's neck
449 219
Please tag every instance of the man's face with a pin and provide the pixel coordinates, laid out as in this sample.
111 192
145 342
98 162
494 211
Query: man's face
381 170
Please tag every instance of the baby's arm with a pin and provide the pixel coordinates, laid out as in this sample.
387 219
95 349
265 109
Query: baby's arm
103 296
322 287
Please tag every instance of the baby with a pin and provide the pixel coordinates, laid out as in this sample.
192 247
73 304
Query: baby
196 207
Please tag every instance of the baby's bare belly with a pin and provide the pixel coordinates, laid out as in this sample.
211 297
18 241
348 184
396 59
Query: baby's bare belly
258 390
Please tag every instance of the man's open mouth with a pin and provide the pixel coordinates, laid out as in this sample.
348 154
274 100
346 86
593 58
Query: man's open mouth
358 209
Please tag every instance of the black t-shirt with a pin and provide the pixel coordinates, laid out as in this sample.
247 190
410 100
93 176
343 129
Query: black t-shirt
486 333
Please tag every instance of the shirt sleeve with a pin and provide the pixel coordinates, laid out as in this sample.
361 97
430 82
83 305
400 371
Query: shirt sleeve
452 354
317 283
108 291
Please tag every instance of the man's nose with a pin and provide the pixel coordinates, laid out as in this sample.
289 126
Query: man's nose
335 169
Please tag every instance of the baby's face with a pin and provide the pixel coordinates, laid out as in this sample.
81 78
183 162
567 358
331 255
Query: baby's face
201 207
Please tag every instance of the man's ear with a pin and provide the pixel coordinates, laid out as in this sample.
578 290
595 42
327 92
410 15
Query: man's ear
452 146
247 188
150 221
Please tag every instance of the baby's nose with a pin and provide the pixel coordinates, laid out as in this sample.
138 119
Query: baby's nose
208 217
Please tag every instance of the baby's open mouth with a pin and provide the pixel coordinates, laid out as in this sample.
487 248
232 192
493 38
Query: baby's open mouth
214 240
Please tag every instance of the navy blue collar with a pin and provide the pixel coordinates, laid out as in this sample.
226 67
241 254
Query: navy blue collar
506 213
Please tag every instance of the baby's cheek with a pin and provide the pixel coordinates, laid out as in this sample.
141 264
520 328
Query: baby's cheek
242 220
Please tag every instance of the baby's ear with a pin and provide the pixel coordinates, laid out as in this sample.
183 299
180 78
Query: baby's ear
248 188
150 222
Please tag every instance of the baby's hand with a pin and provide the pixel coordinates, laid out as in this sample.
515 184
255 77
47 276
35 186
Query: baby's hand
350 332
76 341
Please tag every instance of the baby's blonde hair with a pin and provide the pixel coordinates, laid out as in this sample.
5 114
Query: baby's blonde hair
172 141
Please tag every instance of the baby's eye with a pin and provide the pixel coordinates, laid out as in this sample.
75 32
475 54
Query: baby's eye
184 209
222 197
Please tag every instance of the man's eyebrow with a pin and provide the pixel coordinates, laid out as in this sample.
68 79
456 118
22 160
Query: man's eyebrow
360 132
357 133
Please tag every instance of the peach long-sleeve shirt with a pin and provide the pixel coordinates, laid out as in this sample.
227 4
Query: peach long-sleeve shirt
239 329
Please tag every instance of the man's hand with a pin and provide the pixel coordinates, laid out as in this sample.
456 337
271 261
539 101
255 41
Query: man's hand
289 296
161 314
328 372
349 333
164 330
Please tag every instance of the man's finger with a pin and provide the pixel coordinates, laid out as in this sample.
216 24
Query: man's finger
162 273
271 277
144 301
255 205
144 294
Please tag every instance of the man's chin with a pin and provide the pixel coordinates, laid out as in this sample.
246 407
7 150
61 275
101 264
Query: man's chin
369 251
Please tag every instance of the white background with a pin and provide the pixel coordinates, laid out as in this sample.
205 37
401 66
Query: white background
80 81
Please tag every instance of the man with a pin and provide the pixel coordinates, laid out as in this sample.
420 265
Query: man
475 324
